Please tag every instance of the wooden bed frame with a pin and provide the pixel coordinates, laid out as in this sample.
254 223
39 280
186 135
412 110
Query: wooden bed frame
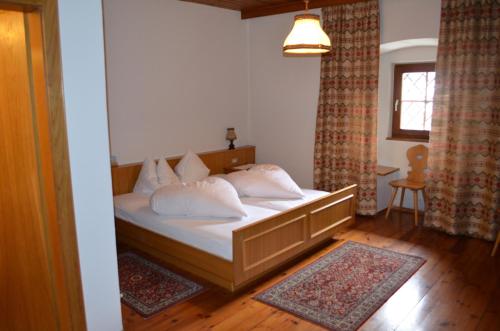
258 248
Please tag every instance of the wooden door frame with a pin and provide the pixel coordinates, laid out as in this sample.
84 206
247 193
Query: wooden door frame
61 237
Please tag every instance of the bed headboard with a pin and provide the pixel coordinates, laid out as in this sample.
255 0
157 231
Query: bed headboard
125 176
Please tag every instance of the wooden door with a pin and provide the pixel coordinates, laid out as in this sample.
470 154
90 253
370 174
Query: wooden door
34 286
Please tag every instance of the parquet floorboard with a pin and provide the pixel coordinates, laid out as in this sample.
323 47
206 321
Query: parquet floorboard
458 288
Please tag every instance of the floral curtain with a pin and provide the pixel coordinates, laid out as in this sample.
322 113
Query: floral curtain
346 124
464 155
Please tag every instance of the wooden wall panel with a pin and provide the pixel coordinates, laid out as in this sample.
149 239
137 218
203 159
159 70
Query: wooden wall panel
63 303
27 287
45 156
125 176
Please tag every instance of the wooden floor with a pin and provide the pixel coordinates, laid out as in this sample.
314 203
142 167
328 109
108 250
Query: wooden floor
457 289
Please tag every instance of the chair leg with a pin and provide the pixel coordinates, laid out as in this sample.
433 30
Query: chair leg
497 243
415 205
425 199
425 202
403 189
394 192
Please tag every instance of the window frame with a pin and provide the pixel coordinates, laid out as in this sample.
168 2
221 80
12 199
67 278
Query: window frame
399 70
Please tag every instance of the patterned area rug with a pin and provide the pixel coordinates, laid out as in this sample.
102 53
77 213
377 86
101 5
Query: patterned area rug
148 288
343 288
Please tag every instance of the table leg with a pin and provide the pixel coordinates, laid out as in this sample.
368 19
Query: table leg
402 197
394 192
415 205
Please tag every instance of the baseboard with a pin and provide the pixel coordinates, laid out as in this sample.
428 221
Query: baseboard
401 210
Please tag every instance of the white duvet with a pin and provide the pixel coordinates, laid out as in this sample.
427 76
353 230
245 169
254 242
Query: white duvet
210 234
284 204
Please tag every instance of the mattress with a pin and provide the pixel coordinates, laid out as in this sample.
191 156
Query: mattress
212 235
284 204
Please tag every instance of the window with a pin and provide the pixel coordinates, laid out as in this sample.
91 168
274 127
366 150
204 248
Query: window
413 99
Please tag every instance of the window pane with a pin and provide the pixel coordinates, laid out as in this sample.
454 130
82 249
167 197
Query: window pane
431 78
428 116
414 86
412 115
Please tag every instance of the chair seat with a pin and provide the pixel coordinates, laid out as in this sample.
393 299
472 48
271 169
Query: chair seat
407 184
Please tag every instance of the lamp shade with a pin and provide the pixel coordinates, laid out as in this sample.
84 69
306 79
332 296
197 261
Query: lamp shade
231 134
307 36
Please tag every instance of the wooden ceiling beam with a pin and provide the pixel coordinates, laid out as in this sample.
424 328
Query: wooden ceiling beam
287 7
228 4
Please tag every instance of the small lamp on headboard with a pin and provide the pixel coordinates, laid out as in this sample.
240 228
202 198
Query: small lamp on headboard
231 136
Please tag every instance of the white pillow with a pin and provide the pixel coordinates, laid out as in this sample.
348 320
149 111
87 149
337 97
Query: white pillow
147 182
191 168
166 176
265 166
212 197
265 181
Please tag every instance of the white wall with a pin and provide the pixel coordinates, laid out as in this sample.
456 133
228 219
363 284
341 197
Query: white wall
85 98
393 152
409 19
284 91
186 89
284 97
177 77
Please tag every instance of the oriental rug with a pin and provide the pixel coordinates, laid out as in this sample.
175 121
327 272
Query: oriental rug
341 290
148 288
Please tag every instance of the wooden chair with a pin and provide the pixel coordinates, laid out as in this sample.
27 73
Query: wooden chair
417 157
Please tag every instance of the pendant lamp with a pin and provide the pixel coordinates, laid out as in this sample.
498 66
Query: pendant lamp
307 37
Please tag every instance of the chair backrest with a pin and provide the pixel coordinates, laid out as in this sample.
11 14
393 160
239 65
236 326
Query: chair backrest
417 157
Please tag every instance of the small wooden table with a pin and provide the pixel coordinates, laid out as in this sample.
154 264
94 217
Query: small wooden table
385 174
385 170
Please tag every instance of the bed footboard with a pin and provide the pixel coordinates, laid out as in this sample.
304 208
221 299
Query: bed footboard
263 246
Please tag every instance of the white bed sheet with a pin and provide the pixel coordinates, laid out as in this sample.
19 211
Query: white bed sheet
284 204
212 235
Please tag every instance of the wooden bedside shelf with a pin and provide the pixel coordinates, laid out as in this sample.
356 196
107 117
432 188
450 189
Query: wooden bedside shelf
385 170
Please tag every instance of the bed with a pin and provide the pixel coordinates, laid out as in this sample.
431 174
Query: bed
230 253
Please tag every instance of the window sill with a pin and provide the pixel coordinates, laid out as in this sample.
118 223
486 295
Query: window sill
418 140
